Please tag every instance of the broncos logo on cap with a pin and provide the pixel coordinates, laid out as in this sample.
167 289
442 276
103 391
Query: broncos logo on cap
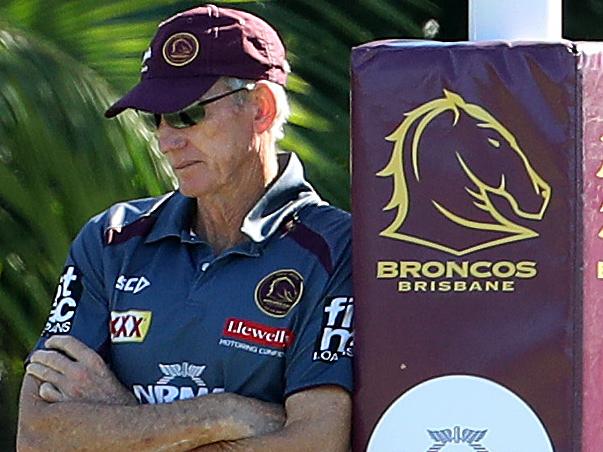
180 49
461 181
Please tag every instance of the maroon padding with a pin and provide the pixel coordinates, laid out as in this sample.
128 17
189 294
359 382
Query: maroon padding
542 340
138 228
591 61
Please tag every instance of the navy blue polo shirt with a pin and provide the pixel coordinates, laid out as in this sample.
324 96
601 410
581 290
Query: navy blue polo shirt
264 319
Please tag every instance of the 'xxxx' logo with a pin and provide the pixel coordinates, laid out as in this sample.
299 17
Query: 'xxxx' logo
129 326
461 182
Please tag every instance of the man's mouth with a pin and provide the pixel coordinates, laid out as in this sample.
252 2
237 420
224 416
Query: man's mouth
186 164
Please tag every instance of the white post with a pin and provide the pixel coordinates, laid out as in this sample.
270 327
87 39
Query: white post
526 20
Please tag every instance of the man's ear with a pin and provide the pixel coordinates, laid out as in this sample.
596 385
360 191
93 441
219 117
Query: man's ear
265 102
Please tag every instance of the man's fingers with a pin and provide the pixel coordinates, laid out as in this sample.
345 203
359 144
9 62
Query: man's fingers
53 359
45 374
67 344
75 349
49 393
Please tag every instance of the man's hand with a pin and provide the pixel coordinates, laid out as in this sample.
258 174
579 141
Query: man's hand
70 371
96 405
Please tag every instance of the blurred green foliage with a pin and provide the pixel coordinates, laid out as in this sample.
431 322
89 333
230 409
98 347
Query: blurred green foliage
60 163
63 61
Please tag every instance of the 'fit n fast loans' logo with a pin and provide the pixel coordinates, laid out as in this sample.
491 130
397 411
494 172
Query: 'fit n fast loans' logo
461 182
336 338
68 294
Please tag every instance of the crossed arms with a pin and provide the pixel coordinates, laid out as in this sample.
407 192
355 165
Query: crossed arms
70 400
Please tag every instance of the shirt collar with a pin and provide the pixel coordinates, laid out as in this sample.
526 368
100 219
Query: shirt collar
285 196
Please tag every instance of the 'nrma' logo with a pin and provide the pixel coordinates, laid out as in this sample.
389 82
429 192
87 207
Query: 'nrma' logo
461 182
468 437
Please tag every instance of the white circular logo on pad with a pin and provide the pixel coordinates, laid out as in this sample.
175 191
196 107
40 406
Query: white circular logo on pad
459 413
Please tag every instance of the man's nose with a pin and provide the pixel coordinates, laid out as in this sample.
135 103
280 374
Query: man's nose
170 139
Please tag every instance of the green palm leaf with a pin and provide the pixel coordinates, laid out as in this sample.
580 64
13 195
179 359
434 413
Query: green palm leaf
60 162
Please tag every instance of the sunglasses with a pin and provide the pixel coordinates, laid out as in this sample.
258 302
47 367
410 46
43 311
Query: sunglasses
189 116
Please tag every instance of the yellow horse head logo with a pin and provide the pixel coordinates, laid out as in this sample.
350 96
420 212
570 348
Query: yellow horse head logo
486 182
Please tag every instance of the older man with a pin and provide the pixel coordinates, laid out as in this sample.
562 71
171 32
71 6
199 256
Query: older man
235 288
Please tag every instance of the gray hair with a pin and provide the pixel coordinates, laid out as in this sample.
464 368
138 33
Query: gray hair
282 102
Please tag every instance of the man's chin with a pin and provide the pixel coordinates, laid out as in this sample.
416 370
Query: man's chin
192 190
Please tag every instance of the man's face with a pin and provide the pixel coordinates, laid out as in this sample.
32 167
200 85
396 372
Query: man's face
211 156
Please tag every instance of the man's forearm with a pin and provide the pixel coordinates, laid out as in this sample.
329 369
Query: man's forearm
177 426
317 419
292 438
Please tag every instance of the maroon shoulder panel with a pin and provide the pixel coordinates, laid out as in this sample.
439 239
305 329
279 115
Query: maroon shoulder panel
313 242
138 228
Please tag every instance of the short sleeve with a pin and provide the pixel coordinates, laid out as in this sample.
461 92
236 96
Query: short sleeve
79 307
323 348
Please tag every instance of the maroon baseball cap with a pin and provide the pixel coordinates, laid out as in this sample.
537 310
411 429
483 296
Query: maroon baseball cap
193 49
